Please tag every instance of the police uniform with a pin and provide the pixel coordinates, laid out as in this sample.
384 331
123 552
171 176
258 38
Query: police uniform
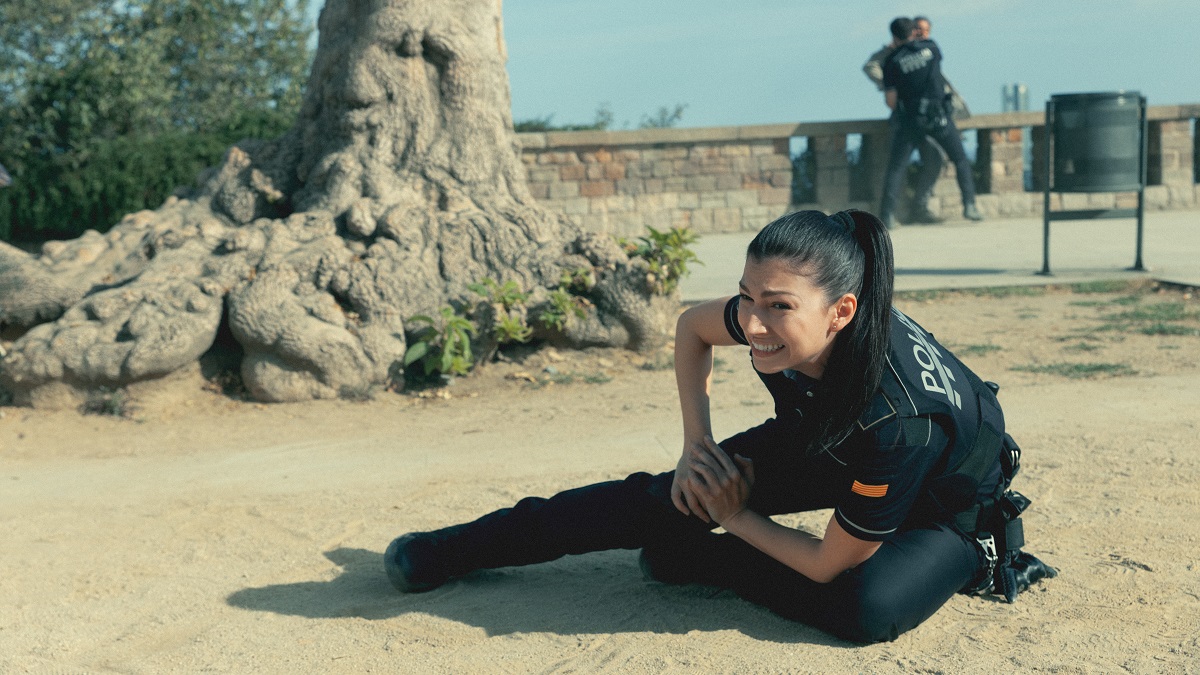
904 476
914 71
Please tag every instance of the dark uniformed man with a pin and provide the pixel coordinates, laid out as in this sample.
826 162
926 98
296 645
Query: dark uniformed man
915 89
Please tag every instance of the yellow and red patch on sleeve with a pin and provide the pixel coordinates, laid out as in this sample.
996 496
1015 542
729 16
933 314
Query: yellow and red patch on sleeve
869 490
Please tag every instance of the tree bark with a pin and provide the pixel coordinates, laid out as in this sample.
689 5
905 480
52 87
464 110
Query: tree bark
399 184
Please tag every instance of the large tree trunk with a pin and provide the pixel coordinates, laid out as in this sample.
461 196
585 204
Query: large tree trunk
399 184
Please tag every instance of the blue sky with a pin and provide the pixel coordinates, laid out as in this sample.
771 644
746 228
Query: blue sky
775 61
778 61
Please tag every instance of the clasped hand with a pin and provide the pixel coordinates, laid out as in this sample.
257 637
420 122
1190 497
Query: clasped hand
711 485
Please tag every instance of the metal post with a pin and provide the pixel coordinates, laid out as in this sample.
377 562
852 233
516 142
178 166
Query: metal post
1141 197
1047 141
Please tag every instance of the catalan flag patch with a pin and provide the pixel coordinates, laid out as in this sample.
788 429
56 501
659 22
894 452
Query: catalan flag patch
869 490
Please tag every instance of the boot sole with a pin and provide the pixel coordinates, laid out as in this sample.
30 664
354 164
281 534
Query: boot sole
395 568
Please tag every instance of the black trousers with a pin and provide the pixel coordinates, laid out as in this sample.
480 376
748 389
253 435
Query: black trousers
911 575
905 137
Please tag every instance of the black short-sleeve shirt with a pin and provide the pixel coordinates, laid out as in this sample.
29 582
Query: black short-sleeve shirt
875 481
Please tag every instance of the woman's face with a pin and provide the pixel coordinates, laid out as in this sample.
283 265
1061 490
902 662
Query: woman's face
788 320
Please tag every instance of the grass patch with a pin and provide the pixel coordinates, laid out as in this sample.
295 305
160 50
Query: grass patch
920 296
1079 371
977 350
1109 286
1159 328
1007 291
1082 347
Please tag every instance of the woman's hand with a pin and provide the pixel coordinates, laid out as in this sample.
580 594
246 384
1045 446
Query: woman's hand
682 494
721 485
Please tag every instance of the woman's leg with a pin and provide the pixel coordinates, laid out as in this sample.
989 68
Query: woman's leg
911 575
617 514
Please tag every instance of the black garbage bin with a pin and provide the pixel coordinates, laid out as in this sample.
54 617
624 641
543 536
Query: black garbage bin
1097 141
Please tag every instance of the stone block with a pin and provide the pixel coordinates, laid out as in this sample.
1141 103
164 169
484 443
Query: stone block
572 172
717 165
1101 200
594 171
675 152
701 183
539 191
564 190
741 198
544 174
596 188
735 150
775 162
627 156
653 185
775 196
702 219
758 149
704 152
674 184
1072 201
575 205
727 181
680 218
711 200
639 169
688 200
603 156
663 168
1157 196
755 217
614 171
630 186
1125 200
615 203
686 167
780 179
727 220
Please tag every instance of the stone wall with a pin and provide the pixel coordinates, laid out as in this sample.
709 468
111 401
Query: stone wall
724 179
621 182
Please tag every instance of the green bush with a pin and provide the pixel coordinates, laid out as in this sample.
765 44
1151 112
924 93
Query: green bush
59 196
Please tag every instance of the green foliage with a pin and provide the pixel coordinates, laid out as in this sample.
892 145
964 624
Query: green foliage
602 121
579 280
108 105
509 324
668 254
508 295
114 402
561 308
665 118
442 345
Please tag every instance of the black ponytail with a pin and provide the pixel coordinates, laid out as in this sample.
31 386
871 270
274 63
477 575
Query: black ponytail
848 252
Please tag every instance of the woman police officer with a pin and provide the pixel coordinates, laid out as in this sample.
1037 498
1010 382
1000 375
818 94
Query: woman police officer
873 418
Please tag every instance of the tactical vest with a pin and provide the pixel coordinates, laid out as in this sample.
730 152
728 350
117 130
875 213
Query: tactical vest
922 379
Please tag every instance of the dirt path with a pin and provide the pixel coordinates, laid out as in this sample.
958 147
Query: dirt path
211 534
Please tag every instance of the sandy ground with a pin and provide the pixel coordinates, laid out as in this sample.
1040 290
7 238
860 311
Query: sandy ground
205 533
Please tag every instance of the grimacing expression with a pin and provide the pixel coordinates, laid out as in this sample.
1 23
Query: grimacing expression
789 322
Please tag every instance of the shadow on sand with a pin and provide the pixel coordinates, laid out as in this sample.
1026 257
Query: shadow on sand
596 593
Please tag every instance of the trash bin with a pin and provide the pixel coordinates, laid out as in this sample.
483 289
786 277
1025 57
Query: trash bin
1098 141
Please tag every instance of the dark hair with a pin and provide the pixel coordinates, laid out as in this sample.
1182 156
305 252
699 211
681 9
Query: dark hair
902 27
848 252
919 19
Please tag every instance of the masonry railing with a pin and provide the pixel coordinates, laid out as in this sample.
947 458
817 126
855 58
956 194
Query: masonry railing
724 179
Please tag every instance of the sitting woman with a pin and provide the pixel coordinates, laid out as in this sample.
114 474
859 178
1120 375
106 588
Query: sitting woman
873 419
